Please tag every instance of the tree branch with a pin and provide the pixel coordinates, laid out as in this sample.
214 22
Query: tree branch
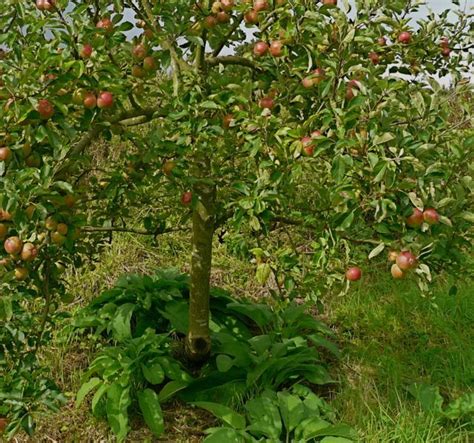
227 37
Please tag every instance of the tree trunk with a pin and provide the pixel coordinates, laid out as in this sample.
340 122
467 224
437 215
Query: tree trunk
198 343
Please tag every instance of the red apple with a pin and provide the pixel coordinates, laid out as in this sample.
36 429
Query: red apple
138 71
29 252
106 25
404 37
58 239
406 260
431 216
227 5
45 109
260 49
260 5
308 146
330 2
267 103
5 215
149 64
5 154
90 100
62 228
3 424
251 17
187 198
276 48
210 22
396 272
86 51
374 58
444 42
105 100
445 52
307 82
139 52
318 76
415 220
353 274
222 17
13 245
316 134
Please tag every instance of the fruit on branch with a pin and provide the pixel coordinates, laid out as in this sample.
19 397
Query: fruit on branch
45 5
29 211
319 74
227 121
406 260
105 100
307 82
330 2
251 17
431 216
222 17
187 198
392 256
5 154
227 5
353 274
106 25
276 48
13 245
86 51
396 272
149 64
317 133
404 37
415 220
382 41
260 49
352 86
62 228
141 24
58 239
51 224
210 22
444 42
308 146
90 100
216 7
21 274
168 167
69 201
139 52
445 52
45 109
374 58
3 424
267 103
260 5
78 96
29 252
5 215
138 71
3 231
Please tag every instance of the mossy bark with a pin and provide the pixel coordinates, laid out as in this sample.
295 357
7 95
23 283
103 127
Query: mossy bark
198 343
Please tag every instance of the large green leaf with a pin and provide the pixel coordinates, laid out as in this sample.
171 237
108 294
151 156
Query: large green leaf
292 410
86 388
118 401
223 412
120 324
151 410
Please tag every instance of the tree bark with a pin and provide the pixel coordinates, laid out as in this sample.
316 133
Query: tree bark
198 343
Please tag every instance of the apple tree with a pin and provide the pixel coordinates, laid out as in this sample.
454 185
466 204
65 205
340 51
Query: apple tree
251 116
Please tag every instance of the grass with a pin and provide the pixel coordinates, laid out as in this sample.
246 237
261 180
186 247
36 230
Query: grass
390 335
392 338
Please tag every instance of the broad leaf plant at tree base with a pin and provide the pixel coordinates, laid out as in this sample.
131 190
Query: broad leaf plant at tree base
331 131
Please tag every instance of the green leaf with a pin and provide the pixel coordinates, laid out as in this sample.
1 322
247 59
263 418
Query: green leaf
118 401
120 324
429 397
340 430
86 388
263 273
171 388
376 251
336 440
292 410
463 406
384 138
151 410
153 373
224 362
227 435
226 414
